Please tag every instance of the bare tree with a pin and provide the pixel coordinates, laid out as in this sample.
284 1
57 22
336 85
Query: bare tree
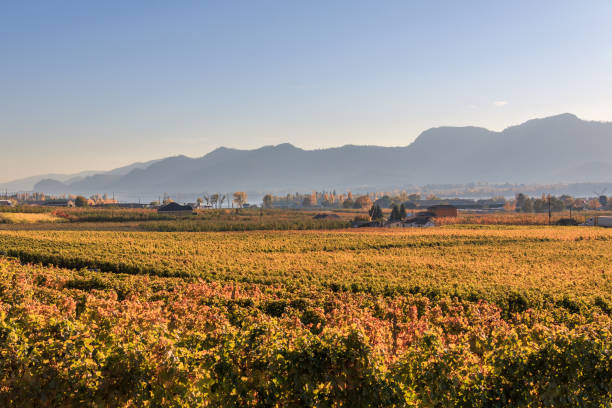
240 198
207 199
268 200
222 199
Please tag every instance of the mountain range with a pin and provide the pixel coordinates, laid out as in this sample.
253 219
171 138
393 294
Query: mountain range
29 183
560 148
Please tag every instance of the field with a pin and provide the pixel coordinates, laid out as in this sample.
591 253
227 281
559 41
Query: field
28 218
460 315
513 218
202 220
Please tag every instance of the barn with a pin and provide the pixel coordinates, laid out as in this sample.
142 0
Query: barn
175 209
443 210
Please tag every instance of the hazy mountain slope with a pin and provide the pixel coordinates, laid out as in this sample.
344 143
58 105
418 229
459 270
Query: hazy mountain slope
555 149
28 183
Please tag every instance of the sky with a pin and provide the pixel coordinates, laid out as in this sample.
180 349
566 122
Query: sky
98 85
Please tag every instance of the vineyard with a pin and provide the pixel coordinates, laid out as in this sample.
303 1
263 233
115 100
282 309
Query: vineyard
480 316
28 218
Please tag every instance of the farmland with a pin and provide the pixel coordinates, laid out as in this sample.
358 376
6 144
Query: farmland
461 315
207 220
28 218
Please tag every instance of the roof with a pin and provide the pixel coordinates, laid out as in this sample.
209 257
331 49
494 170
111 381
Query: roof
321 215
171 207
418 221
441 206
361 224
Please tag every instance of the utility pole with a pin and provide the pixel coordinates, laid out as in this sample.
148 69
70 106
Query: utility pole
549 214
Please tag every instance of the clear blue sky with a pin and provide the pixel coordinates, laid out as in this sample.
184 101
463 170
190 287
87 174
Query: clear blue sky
95 85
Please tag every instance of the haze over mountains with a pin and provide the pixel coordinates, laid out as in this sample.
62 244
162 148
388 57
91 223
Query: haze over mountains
29 183
560 148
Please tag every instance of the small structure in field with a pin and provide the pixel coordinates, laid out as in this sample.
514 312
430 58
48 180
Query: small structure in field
175 209
567 221
120 205
422 219
599 221
6 203
58 203
419 222
367 224
324 216
443 210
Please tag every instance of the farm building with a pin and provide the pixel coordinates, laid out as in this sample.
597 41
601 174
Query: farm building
443 210
367 224
58 203
420 222
321 216
422 219
599 221
6 203
130 205
175 209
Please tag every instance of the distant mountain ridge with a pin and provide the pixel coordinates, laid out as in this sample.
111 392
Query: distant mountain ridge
560 148
28 183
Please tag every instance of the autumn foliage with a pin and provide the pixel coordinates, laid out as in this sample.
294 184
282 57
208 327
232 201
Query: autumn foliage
449 317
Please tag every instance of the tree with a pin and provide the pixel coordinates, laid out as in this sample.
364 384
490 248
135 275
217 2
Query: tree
240 198
375 213
395 213
593 204
81 201
540 204
363 202
568 201
520 201
328 200
528 206
307 201
348 203
222 199
402 212
603 200
199 201
313 198
267 201
556 204
207 199
214 199
383 202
